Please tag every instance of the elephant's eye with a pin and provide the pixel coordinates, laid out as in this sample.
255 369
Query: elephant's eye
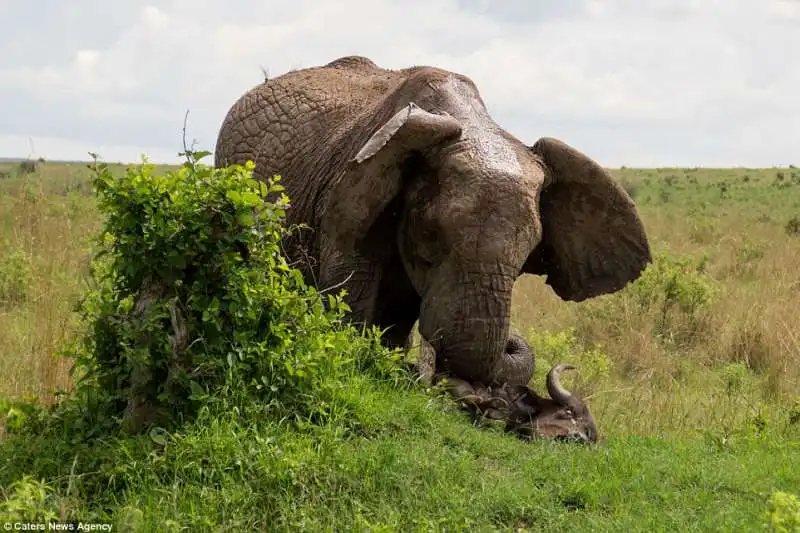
428 246
422 261
424 240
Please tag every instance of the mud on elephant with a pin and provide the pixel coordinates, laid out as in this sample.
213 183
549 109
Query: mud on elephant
423 208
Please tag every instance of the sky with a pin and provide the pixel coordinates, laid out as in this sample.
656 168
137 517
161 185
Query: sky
629 82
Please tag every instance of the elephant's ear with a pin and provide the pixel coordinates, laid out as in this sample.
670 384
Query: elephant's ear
593 241
373 177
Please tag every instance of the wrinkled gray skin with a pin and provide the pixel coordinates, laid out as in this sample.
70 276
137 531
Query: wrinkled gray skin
424 208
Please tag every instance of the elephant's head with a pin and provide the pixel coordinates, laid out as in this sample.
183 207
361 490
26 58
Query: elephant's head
470 208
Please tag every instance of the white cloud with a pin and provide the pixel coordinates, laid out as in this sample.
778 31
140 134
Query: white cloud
154 19
679 82
86 59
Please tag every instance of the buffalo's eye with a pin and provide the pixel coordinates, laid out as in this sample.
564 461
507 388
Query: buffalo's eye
567 413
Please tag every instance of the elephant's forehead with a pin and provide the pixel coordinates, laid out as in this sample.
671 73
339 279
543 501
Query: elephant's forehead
491 150
485 145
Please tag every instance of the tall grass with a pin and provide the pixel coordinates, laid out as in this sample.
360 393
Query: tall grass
47 220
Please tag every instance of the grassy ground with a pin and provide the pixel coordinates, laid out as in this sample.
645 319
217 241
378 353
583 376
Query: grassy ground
693 373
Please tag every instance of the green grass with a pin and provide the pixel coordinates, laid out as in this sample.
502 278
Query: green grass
698 405
412 464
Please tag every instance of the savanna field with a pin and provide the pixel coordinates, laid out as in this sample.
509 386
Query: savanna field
692 374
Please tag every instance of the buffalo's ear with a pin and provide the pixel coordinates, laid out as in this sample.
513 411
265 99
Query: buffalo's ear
373 177
593 241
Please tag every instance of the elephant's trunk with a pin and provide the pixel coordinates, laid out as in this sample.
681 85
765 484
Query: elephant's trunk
469 331
516 364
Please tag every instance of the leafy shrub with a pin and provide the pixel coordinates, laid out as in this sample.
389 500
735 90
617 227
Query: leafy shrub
704 230
793 417
27 167
28 501
735 376
748 255
680 294
675 281
783 512
16 275
673 297
562 347
793 226
194 304
751 251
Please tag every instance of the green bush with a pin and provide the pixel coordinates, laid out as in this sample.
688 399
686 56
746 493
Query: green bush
551 348
673 297
793 226
748 255
16 275
783 513
680 292
27 167
28 501
704 230
193 304
735 376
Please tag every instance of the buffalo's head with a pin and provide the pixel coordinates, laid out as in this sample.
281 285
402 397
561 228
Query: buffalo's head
563 416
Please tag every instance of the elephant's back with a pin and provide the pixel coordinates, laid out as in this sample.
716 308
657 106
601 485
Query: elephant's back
285 120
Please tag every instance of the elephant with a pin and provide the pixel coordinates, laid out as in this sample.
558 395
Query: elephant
426 211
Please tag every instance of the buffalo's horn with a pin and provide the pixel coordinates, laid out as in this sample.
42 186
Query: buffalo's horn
557 392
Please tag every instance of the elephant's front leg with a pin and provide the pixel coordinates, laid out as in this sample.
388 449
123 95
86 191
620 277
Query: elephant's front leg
360 277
